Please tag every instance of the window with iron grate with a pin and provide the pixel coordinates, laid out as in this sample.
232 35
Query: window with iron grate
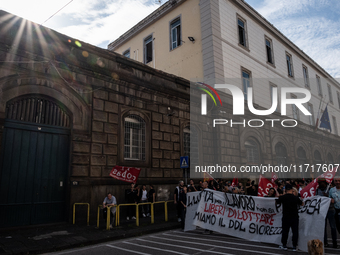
134 138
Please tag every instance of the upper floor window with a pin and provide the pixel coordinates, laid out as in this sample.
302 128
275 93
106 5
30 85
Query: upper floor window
289 65
330 93
148 47
338 95
305 76
242 33
246 82
311 117
269 50
335 126
134 138
318 84
272 94
295 110
126 53
175 33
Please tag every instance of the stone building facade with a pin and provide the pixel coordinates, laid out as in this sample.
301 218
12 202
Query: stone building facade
65 109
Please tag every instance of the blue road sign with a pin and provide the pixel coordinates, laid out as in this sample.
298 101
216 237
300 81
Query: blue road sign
184 162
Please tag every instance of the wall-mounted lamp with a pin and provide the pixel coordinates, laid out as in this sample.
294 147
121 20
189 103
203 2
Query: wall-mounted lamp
170 113
191 39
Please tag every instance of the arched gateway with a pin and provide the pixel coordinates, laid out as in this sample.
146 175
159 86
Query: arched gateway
34 161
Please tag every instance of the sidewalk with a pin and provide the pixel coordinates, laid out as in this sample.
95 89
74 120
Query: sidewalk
41 239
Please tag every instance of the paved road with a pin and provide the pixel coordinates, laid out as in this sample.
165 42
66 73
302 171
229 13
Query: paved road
178 242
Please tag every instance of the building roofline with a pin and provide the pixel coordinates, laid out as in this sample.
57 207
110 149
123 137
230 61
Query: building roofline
182 84
172 4
148 20
285 39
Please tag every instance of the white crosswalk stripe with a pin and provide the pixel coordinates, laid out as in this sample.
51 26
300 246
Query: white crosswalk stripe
133 252
182 246
186 243
155 248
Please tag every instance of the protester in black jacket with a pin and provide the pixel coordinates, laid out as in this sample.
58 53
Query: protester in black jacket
131 197
183 204
290 216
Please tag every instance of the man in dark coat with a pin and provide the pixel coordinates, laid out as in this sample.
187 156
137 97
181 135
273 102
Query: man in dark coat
290 216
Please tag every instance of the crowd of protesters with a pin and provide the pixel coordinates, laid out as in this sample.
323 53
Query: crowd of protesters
287 193
134 195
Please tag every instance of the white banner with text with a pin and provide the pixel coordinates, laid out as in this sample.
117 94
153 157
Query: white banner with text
253 218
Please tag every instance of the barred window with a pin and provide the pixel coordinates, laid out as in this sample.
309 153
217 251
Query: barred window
281 154
134 138
253 151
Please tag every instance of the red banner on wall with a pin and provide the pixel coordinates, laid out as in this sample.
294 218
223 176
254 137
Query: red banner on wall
126 174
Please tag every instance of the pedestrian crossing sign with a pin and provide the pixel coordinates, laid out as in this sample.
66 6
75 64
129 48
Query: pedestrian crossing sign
184 162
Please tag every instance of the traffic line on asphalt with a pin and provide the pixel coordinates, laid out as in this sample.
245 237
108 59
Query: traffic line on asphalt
120 248
159 249
220 241
241 244
217 246
81 249
180 246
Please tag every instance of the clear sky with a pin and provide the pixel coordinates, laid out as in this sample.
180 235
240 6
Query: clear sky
313 25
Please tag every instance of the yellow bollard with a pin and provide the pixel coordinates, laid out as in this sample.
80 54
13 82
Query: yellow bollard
88 215
152 214
98 216
166 210
88 212
137 215
74 213
118 215
108 214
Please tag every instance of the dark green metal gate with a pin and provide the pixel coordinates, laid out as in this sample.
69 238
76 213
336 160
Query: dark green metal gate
34 170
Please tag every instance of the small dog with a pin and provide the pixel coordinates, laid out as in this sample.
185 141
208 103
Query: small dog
315 247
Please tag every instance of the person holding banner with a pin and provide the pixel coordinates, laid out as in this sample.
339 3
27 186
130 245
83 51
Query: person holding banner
322 190
334 193
191 186
290 216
